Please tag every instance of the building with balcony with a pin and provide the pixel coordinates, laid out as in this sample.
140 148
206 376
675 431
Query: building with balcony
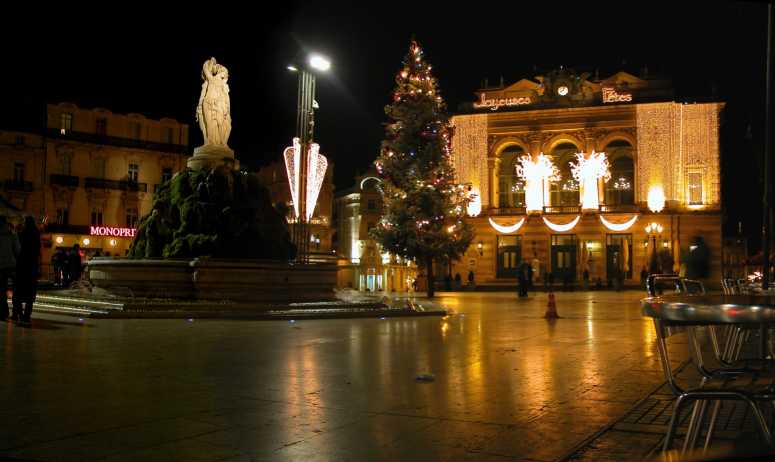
661 166
89 169
363 265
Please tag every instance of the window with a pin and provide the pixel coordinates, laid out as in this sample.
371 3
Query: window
131 218
18 172
695 188
166 174
134 172
63 216
65 122
511 188
566 191
20 140
372 204
167 135
96 216
137 130
369 225
619 189
102 126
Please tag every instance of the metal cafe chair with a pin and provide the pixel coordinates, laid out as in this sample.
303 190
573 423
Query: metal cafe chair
721 384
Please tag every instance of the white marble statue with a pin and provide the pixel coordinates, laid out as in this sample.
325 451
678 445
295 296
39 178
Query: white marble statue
213 110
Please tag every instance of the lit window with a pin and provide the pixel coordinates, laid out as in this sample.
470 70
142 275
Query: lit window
695 188
63 217
65 123
134 172
131 218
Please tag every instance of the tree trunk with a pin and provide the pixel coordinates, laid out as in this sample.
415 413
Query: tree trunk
429 272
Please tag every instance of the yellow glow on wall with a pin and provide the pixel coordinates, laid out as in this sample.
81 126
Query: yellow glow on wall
536 173
656 199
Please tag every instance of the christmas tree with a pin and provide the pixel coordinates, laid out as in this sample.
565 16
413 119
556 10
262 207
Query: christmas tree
424 209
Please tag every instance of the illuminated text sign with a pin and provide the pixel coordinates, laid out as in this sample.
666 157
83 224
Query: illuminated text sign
495 103
112 231
611 96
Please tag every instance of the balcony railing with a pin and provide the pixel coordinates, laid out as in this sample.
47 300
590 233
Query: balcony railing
15 185
508 211
619 208
562 209
123 185
63 180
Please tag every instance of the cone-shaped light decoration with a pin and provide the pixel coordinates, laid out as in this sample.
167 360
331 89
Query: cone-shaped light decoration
316 173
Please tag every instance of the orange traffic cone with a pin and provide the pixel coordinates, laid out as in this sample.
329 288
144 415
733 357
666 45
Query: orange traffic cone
551 308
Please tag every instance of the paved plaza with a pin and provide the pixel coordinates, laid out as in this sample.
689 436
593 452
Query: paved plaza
506 383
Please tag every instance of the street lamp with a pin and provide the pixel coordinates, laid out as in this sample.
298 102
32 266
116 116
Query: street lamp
305 174
653 229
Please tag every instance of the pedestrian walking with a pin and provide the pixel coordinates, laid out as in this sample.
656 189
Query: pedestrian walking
27 266
9 252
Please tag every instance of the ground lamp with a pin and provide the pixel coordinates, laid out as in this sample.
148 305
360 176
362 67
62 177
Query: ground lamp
305 166
480 248
653 229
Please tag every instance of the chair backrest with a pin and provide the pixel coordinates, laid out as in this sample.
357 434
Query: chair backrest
656 284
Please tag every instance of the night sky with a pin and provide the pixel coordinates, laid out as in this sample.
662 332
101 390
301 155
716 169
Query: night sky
147 59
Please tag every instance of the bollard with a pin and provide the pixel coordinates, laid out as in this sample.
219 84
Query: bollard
551 308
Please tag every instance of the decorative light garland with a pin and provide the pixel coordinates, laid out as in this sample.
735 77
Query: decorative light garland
619 226
507 229
535 173
562 228
587 170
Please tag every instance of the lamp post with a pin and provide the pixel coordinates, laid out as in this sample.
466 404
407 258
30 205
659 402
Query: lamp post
653 229
305 126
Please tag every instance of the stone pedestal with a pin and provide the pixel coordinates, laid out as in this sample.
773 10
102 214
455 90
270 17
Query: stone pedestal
211 156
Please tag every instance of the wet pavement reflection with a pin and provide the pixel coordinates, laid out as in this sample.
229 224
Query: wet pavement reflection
502 383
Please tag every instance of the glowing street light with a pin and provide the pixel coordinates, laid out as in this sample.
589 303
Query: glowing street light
319 62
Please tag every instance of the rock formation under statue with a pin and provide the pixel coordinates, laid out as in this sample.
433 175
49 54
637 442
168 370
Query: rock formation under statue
220 213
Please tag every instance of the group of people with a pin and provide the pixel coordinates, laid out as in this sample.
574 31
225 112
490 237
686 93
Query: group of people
19 262
67 266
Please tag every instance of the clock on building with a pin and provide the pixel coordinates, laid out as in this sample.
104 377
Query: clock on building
562 90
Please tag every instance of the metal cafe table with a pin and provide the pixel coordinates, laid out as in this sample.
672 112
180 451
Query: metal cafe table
738 315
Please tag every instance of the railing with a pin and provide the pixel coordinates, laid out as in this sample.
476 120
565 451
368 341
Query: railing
123 185
116 141
508 211
562 209
613 208
14 185
63 180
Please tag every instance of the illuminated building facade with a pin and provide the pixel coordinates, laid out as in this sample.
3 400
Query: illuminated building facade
623 155
90 175
362 264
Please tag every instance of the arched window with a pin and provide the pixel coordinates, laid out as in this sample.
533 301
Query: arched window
511 189
566 191
620 188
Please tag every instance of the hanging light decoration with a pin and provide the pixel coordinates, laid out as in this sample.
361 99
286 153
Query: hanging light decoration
618 227
564 227
587 170
535 173
622 184
508 229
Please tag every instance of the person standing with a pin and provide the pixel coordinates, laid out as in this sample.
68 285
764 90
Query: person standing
9 252
57 262
27 266
522 277
74 264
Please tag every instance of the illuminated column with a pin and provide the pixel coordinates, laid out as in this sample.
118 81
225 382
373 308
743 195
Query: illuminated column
493 163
